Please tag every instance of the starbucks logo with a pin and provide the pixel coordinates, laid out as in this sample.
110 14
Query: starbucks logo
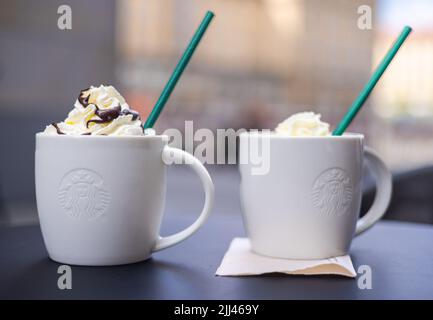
83 195
332 192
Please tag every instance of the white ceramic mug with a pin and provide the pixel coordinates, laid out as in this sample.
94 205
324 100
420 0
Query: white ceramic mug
100 199
307 205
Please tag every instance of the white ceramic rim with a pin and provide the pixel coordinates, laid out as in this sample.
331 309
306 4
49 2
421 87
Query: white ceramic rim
41 135
273 135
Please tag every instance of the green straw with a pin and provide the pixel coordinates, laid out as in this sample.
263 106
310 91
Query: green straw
183 62
359 101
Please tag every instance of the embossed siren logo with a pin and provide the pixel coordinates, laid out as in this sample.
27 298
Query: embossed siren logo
332 192
82 194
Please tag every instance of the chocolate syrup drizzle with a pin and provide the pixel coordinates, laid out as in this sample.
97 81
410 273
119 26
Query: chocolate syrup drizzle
57 128
84 100
105 115
135 114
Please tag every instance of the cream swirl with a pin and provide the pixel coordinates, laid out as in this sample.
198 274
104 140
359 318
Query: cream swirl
99 111
303 124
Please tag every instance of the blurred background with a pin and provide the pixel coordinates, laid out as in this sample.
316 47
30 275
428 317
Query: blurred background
260 61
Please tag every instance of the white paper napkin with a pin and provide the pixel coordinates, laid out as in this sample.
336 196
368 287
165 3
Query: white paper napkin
239 260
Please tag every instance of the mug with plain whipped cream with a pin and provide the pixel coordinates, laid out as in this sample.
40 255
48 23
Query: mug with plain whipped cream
306 206
101 183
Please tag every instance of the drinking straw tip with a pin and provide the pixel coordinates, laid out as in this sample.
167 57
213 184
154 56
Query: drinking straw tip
181 65
363 95
407 30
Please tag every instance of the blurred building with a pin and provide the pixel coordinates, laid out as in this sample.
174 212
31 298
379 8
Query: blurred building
260 61
407 87
403 100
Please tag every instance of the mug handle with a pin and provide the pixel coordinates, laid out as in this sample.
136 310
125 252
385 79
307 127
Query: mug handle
180 156
382 199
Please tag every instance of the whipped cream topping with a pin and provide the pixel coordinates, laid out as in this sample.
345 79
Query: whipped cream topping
303 124
99 111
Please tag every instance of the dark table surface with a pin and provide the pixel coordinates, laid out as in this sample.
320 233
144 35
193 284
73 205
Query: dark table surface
400 256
